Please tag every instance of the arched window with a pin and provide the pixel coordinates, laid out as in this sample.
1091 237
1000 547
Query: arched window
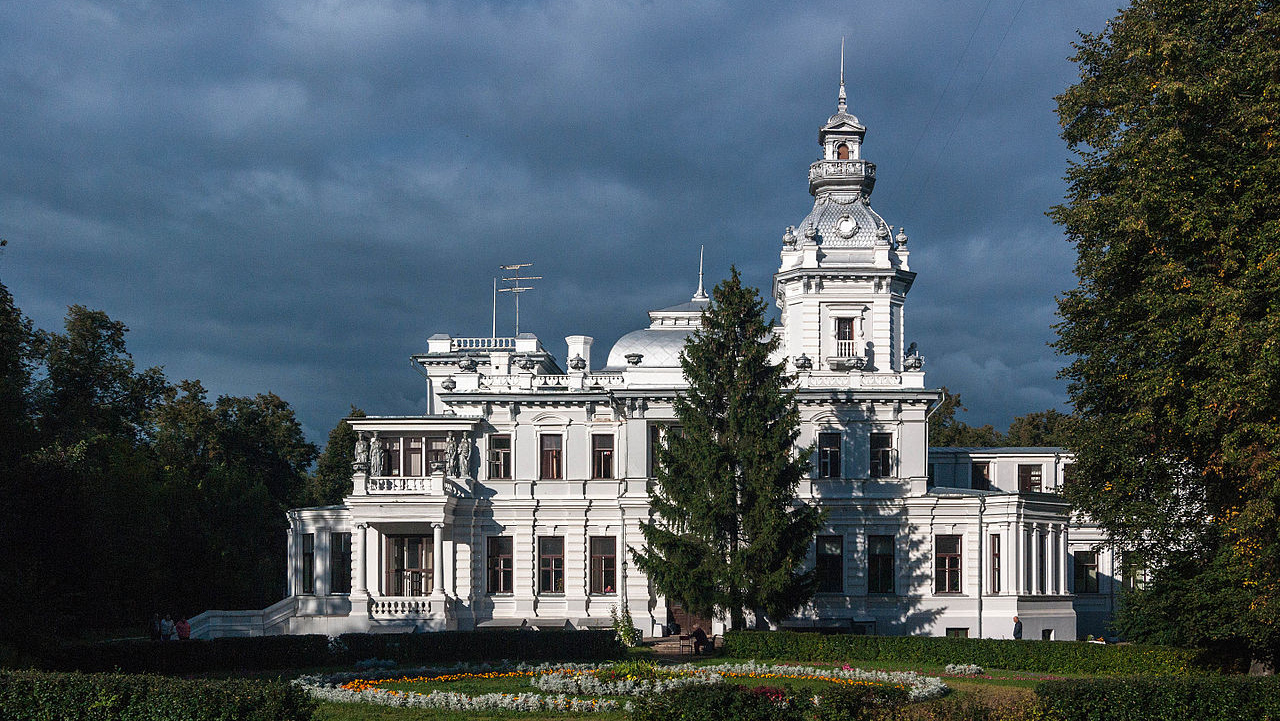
842 152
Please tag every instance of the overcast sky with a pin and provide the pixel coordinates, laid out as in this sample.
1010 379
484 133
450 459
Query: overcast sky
292 196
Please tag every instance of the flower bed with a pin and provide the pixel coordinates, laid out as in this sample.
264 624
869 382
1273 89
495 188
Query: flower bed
563 684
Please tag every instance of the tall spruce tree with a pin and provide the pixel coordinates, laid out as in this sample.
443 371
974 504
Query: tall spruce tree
729 534
1174 330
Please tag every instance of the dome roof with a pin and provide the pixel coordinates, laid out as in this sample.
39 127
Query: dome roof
660 347
844 222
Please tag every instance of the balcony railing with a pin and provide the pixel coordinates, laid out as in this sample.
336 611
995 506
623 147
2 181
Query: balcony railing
484 344
846 348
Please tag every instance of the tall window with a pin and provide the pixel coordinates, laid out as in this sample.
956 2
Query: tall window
881 455
1086 563
308 563
829 455
408 566
980 475
880 564
842 152
844 338
551 564
1133 572
602 455
500 456
437 447
552 445
604 569
413 457
830 564
1068 474
500 562
1029 477
995 563
946 552
392 444
1042 543
339 563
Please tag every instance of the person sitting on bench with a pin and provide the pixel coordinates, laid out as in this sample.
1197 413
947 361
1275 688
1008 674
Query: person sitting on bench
700 640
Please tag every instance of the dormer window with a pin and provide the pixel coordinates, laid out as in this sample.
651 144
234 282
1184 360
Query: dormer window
842 152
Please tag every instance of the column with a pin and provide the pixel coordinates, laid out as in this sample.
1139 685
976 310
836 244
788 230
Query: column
1064 555
1054 559
437 559
358 559
1035 560
1020 559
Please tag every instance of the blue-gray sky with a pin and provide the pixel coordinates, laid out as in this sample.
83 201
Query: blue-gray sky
291 196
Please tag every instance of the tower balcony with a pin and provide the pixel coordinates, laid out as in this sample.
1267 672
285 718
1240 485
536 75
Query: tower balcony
854 174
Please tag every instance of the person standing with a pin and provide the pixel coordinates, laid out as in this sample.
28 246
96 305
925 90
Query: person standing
183 627
1017 628
166 628
155 627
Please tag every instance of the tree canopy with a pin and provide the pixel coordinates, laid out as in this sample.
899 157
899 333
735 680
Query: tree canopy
1042 428
729 534
1173 333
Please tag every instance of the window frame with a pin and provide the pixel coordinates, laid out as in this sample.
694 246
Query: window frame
603 566
339 559
1080 582
948 579
829 567
876 565
551 459
995 564
880 458
829 461
602 457
550 566
409 580
1030 477
499 564
307 546
500 458
980 482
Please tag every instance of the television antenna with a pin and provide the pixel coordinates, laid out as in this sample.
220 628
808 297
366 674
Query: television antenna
513 278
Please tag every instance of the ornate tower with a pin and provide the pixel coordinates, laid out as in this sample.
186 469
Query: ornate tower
844 275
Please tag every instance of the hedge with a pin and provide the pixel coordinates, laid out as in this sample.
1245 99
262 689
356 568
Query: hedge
1221 698
41 696
1039 656
275 652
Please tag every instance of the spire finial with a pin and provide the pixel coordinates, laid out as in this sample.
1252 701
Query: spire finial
841 104
701 294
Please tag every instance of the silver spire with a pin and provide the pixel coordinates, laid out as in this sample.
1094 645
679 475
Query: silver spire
841 104
701 294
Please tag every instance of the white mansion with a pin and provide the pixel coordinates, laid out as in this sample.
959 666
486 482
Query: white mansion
513 499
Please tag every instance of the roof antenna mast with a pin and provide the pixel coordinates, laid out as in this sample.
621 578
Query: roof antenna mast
701 294
514 287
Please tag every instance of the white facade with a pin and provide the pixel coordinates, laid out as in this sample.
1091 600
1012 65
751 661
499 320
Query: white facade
512 500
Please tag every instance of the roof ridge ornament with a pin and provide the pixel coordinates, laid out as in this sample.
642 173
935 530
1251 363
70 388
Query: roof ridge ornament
701 294
841 104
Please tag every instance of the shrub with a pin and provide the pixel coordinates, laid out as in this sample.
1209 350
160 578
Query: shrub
1223 698
452 646
715 702
90 697
1039 656
859 703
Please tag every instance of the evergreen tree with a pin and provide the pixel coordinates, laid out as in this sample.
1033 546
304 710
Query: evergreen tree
729 534
1173 329
331 481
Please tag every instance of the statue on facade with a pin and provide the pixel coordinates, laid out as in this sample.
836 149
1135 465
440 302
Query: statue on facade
451 456
376 456
464 456
362 453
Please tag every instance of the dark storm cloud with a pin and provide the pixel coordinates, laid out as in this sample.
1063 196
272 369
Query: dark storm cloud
292 196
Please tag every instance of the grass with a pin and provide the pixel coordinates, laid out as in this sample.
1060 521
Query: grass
370 712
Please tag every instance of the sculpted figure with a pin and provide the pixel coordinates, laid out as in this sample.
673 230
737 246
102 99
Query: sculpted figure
451 456
362 451
376 459
464 456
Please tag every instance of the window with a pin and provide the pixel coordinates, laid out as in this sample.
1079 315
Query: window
844 338
957 633
1046 634
413 457
500 563
604 568
1042 542
980 476
946 553
551 564
1029 476
393 455
1132 572
829 455
880 564
552 445
308 563
339 563
842 152
1086 576
830 564
437 446
500 456
995 563
408 566
602 455
1068 474
881 455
